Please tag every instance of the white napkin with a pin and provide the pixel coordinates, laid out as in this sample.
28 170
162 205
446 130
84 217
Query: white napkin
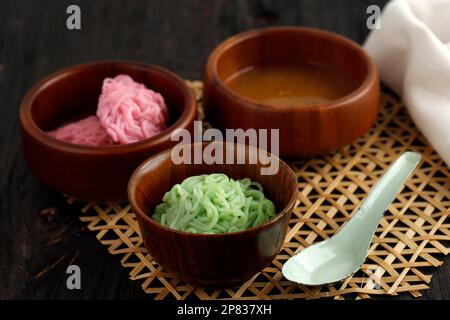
412 51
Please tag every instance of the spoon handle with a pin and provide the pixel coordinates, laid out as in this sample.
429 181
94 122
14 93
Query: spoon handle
383 193
390 184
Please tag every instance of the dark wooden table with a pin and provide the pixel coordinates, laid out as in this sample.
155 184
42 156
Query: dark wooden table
35 250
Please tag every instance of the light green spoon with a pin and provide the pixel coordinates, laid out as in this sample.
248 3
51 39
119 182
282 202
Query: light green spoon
343 254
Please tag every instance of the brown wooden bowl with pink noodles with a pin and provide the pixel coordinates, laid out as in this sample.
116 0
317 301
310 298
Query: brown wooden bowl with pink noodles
213 260
95 172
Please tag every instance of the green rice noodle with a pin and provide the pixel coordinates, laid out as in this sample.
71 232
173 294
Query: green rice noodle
214 203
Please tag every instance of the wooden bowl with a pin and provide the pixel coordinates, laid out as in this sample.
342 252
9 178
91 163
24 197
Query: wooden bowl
307 130
220 260
88 172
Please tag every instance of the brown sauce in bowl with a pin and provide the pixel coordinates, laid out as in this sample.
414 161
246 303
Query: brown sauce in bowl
295 85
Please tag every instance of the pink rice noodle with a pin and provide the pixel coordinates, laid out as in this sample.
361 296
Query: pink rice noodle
129 111
88 131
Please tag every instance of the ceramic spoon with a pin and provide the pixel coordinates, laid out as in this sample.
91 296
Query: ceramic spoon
340 256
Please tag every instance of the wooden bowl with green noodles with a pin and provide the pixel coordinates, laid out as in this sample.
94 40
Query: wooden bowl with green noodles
213 260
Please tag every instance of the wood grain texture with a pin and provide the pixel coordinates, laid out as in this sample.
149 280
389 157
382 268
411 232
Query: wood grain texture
317 128
177 35
219 260
88 172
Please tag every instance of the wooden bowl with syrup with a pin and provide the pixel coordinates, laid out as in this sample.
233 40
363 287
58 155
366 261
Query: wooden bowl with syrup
95 172
321 90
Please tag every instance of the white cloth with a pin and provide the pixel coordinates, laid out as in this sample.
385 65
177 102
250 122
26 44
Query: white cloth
412 51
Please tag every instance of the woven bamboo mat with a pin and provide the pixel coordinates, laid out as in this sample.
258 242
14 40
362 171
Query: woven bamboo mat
412 237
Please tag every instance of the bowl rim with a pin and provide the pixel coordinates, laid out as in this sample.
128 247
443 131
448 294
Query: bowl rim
132 183
362 89
29 125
